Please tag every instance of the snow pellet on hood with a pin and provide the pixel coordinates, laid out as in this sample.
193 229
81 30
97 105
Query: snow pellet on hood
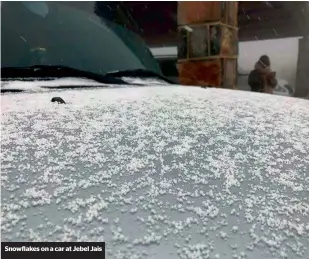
189 173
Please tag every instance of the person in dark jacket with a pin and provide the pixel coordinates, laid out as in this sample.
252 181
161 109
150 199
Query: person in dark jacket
261 78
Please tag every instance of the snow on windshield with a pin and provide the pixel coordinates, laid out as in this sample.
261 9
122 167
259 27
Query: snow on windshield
149 81
158 172
37 85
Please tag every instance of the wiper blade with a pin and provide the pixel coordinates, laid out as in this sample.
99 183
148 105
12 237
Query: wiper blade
11 90
141 73
42 71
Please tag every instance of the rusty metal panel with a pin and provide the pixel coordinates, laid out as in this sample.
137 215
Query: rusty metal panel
211 43
198 42
208 40
230 13
230 73
183 43
229 41
192 12
200 72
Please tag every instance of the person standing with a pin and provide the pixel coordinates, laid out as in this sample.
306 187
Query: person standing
261 78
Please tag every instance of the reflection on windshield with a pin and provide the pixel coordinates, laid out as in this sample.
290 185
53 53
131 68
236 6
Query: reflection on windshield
39 8
54 33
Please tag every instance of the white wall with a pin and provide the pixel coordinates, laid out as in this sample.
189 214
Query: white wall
283 54
164 51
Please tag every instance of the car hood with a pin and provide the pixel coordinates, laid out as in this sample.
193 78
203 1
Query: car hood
158 172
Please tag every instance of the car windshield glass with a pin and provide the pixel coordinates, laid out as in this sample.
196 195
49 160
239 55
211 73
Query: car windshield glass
77 35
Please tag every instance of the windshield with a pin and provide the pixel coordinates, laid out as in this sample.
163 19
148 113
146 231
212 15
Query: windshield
75 34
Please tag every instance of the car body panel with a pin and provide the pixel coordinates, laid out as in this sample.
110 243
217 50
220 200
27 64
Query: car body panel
158 172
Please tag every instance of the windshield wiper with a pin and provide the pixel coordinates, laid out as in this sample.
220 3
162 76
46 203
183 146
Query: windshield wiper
42 71
140 73
11 90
